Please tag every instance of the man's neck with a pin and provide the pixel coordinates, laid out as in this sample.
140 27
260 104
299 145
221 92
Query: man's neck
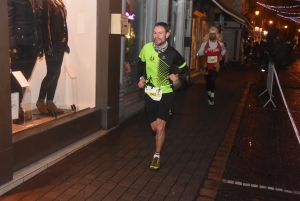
162 45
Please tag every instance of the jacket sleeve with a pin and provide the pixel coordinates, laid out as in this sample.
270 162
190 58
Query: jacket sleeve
181 64
11 20
140 70
45 23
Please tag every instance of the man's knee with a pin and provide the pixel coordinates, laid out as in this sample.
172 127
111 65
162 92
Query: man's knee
160 125
153 127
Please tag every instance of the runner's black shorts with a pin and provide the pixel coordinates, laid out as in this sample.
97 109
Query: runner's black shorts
159 109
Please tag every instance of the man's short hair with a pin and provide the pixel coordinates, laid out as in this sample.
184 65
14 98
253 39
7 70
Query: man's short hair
163 24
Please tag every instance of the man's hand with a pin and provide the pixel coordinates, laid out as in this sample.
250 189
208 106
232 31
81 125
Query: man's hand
220 58
142 83
173 77
13 53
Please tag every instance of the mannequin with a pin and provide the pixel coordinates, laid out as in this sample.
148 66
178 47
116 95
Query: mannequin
24 41
55 42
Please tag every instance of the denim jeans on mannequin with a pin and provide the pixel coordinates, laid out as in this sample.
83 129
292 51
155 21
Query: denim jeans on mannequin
49 83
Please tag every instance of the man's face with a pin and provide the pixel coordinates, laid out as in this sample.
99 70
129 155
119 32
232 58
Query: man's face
212 36
160 36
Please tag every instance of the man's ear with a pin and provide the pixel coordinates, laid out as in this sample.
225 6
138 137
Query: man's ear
168 34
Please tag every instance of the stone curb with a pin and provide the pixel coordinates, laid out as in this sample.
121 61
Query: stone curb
214 175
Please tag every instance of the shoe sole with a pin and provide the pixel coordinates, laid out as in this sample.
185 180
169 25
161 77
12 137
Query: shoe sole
154 168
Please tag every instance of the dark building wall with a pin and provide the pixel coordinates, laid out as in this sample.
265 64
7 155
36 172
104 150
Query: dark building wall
108 96
6 156
27 147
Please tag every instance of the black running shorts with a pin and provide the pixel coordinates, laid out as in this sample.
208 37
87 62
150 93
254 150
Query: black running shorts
159 109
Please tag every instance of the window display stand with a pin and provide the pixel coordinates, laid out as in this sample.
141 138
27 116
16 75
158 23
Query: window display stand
73 78
25 107
74 94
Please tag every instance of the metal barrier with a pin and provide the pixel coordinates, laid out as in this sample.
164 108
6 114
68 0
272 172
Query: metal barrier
271 70
271 73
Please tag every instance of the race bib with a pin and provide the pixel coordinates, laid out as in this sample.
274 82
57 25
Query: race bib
212 59
154 93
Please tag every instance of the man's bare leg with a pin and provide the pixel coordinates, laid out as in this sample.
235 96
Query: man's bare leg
159 127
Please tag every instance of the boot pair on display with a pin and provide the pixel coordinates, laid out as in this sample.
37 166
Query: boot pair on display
22 116
43 108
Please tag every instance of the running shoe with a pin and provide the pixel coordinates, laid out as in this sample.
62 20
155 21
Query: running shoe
211 101
208 100
155 163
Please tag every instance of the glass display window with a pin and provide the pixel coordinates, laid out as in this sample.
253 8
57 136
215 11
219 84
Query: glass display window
134 41
55 51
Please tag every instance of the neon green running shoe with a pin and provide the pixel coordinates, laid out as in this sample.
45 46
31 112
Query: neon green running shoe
155 163
210 100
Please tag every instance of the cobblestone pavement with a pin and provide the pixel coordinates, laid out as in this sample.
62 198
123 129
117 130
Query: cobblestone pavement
264 160
116 166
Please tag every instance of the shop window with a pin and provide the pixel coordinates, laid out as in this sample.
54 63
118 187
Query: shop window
133 43
67 31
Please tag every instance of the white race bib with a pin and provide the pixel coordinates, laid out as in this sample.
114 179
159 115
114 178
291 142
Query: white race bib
212 59
153 92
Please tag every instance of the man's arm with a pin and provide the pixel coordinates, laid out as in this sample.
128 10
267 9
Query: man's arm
201 50
223 49
181 64
184 71
141 74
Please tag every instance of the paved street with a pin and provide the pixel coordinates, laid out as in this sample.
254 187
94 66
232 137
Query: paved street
234 150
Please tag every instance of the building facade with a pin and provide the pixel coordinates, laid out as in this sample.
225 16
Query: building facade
97 83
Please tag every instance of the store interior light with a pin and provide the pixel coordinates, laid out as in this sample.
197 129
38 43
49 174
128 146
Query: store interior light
130 17
270 22
257 12
285 26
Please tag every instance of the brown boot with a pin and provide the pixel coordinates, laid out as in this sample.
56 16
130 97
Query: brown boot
23 115
40 104
52 106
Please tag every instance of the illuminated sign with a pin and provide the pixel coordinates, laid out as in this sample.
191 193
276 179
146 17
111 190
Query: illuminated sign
130 17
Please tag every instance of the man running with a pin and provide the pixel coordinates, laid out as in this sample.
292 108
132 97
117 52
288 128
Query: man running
159 57
212 49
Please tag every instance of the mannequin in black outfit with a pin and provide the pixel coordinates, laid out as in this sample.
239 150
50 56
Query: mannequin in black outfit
24 40
55 40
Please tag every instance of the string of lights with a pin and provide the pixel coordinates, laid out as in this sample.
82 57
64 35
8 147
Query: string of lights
287 12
